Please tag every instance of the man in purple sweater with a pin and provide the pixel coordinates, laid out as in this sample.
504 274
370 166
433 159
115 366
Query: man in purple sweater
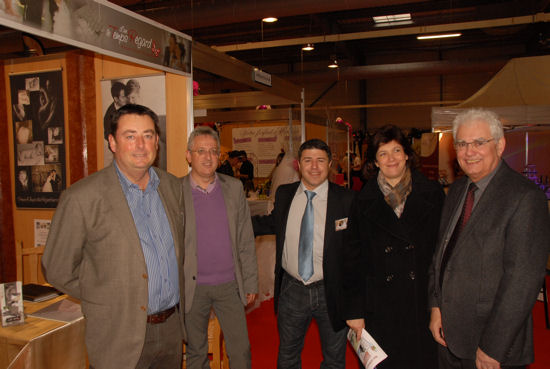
220 255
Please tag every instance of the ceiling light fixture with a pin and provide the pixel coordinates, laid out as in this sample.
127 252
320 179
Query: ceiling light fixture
333 63
269 19
443 35
308 47
392 20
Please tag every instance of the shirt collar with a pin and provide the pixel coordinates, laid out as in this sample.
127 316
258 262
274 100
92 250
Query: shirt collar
208 189
484 182
321 191
152 185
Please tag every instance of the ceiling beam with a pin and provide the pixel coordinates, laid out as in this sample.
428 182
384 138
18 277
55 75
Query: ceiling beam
207 59
415 30
426 68
238 100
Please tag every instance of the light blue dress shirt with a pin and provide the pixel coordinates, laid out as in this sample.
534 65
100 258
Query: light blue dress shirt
156 241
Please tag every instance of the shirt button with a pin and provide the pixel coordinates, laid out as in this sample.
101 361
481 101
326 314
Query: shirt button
412 275
144 276
143 308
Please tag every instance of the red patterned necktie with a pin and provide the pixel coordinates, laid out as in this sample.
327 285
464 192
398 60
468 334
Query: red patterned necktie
464 217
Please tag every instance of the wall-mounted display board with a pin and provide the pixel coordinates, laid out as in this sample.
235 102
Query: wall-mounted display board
39 146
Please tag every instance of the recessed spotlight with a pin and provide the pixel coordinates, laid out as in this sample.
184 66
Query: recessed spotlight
333 64
308 47
269 19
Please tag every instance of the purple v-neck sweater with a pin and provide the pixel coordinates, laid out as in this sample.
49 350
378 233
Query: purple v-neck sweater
214 252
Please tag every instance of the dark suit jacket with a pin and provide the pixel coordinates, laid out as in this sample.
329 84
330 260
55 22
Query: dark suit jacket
493 277
339 202
94 254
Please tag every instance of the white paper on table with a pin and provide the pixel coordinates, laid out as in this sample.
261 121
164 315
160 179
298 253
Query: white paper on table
369 351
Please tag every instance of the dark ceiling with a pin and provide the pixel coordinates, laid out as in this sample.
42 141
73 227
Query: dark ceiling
492 33
345 29
237 24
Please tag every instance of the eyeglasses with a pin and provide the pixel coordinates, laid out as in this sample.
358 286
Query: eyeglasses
476 144
203 152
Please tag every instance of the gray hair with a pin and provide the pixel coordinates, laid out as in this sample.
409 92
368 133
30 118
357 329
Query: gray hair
479 114
202 131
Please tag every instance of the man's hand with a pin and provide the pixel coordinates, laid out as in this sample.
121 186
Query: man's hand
250 297
357 325
436 327
484 361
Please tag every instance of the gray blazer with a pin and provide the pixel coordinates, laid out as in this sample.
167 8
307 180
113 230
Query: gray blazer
94 254
492 280
242 238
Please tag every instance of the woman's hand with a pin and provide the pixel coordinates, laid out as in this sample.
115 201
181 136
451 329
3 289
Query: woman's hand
357 325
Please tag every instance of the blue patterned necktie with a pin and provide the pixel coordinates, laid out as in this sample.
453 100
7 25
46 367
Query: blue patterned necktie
305 245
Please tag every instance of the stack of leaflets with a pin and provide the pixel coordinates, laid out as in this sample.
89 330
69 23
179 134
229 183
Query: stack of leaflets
369 352
11 304
38 293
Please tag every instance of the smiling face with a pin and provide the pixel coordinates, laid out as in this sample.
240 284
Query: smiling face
478 162
392 161
134 144
314 167
203 157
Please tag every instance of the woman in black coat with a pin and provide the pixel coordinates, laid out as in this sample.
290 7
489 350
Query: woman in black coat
394 227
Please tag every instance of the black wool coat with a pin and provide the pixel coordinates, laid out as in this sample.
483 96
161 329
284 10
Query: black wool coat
393 256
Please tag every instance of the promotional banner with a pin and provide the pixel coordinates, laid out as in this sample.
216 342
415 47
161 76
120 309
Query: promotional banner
102 27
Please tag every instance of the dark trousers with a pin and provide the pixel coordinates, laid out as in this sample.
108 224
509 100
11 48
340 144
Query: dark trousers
163 345
449 361
298 304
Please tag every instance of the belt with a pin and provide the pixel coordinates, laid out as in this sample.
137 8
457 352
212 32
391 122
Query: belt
315 284
161 316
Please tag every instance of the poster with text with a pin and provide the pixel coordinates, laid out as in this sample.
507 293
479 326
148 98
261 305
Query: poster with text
148 91
39 138
263 144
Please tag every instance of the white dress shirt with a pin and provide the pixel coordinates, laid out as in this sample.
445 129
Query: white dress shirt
292 235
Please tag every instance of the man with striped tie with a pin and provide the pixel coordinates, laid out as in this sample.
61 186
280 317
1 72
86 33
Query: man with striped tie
310 220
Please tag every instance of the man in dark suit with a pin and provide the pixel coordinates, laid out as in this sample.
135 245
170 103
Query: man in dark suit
309 270
116 244
490 259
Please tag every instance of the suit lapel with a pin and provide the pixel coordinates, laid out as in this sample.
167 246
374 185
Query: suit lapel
120 211
190 225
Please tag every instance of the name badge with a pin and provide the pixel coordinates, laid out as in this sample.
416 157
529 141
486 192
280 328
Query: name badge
341 224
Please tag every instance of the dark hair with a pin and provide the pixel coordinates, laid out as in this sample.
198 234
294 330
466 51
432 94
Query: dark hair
134 109
233 154
116 87
131 86
382 136
314 143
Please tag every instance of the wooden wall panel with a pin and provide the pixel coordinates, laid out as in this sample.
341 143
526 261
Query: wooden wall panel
7 241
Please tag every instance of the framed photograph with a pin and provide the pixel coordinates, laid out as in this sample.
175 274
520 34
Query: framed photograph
11 304
149 91
39 144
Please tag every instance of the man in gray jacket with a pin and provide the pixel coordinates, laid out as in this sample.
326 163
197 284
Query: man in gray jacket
220 254
490 259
